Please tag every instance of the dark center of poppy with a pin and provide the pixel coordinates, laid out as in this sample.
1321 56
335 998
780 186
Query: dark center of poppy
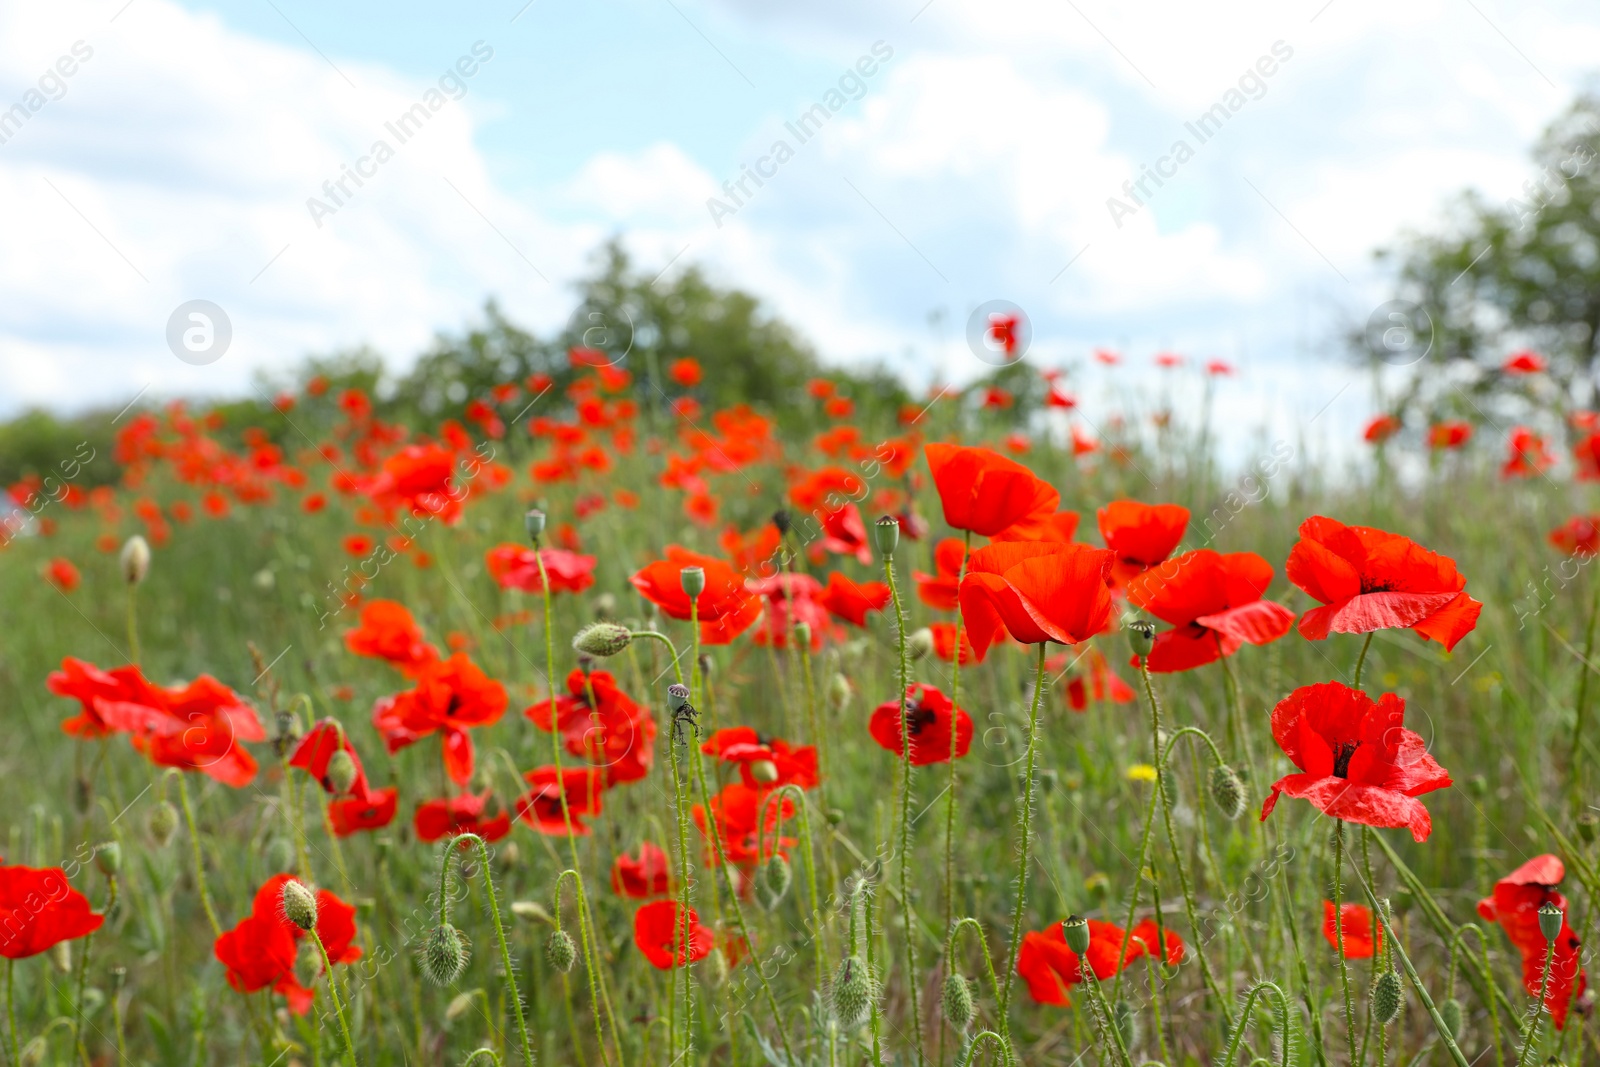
454 706
918 718
1341 761
1371 585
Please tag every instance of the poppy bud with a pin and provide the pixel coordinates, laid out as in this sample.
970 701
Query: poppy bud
602 639
773 882
299 904
559 951
764 771
605 606
443 955
1450 1015
108 857
957 999
1587 824
135 559
1227 791
1126 1022
920 643
162 823
852 993
718 971
705 665
1075 929
61 956
1386 998
802 634
693 580
508 854
530 910
459 1005
677 696
1141 635
780 519
886 532
1549 921
533 522
838 692
341 772
280 854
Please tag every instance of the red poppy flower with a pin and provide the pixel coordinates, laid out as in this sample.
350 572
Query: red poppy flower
725 600
984 492
649 874
1090 677
1357 760
1058 527
451 696
1140 535
1050 968
1451 434
939 590
600 722
1380 428
1586 454
944 643
765 763
1578 536
1214 604
1524 362
685 372
790 599
845 534
737 810
62 574
1035 591
516 566
372 810
1526 454
317 748
540 807
418 478
39 909
930 718
658 930
851 600
1515 905
358 544
387 631
261 950
199 727
460 814
1372 580
1359 943
110 700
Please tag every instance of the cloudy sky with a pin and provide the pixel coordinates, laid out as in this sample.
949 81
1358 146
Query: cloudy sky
975 161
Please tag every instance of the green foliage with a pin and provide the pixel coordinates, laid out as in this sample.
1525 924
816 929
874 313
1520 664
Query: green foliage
43 445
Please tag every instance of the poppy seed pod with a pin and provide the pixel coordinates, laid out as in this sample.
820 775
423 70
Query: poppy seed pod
162 823
957 1001
342 772
1386 998
299 905
677 696
1550 919
135 559
1075 929
443 955
1141 635
852 993
920 643
1450 1015
1227 791
559 951
693 580
602 639
533 522
108 857
886 533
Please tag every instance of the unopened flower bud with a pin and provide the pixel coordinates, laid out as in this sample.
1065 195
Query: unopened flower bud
602 639
533 522
705 664
1588 822
1227 791
802 634
280 854
957 1000
1126 1021
1075 929
1386 998
764 771
108 857
920 643
459 1005
135 559
1450 1015
342 772
886 532
693 580
61 956
1550 918
443 955
838 692
299 904
530 910
559 951
851 994
772 882
677 696
162 823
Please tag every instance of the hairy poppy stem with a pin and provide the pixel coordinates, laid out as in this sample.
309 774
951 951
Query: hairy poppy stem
1361 660
1102 1008
1286 1046
1338 928
133 623
950 801
681 805
905 804
83 972
11 1011
505 949
1006 1051
1024 830
791 789
333 993
1306 995
1416 983
199 858
1530 1033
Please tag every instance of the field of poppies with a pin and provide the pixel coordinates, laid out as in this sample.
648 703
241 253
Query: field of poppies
594 726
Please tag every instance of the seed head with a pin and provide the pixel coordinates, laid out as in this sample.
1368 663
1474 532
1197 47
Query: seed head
852 993
957 999
886 532
693 580
162 823
677 696
299 904
1141 635
1075 928
559 951
602 639
1227 791
108 857
1386 998
1549 921
443 954
342 772
773 882
135 559
1450 1015
533 522
920 643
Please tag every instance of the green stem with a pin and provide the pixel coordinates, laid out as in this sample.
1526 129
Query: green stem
681 803
1361 660
1024 830
1338 932
133 624
905 806
199 859
1582 702
333 993
950 800
1531 1034
1234 1040
1307 996
1416 983
1098 998
83 971
11 1011
505 949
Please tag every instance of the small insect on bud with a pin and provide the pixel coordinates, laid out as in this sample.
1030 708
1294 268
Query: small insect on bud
299 904
886 532
1141 635
852 992
780 519
1126 1021
838 692
1550 919
957 1001
1386 998
677 696
108 857
342 772
443 954
602 639
693 580
764 771
773 882
135 559
1450 1015
533 522
162 823
920 643
802 634
559 951
1227 791
1075 928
